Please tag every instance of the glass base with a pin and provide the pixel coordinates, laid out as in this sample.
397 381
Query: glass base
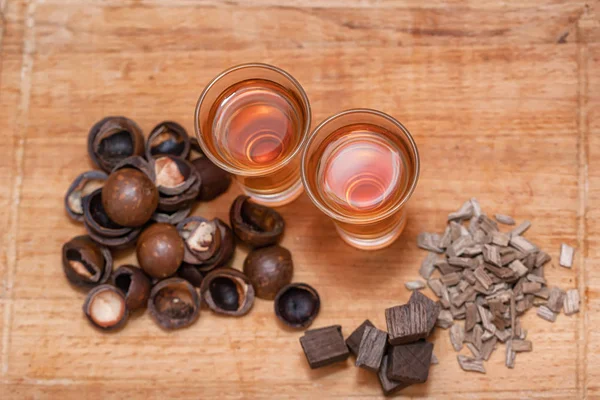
375 243
277 199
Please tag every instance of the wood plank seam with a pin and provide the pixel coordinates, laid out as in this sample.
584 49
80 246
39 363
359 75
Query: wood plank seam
583 187
21 127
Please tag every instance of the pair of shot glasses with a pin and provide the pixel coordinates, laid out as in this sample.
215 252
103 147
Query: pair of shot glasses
359 166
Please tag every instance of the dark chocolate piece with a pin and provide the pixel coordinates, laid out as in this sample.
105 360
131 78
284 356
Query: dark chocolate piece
324 346
353 341
410 362
372 348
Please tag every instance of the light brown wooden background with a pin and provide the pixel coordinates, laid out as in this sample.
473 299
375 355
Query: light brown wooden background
501 96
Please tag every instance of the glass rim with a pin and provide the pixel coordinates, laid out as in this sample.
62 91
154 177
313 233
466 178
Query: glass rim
262 171
352 220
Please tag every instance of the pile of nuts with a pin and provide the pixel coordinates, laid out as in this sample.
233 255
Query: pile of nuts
143 196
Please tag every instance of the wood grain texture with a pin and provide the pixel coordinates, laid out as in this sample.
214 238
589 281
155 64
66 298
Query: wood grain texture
503 99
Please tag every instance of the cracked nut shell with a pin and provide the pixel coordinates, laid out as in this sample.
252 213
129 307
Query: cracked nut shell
81 187
297 305
134 283
170 138
191 274
101 228
86 263
208 243
174 303
269 269
129 197
228 291
255 224
160 250
105 307
113 139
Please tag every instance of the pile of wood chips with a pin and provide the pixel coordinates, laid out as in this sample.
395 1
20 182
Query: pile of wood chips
489 279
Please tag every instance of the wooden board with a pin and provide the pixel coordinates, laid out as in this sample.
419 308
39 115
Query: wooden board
503 101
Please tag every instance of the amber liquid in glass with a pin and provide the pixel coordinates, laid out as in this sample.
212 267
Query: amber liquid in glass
362 170
256 124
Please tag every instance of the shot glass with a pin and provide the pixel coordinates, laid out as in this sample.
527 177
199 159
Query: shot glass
360 167
252 120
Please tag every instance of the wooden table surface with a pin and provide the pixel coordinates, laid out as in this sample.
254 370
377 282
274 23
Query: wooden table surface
501 96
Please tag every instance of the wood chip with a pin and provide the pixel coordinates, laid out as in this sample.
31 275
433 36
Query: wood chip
510 355
446 268
556 299
455 231
486 319
436 286
535 278
429 241
451 279
324 346
509 256
406 323
520 346
469 276
353 341
542 258
372 348
481 237
487 335
522 244
500 239
458 312
531 287
446 239
518 268
444 319
482 277
462 262
389 386
513 316
538 301
487 224
571 302
473 250
566 256
546 313
414 285
461 298
520 229
457 336
470 364
474 336
462 285
524 305
476 207
500 272
503 334
464 212
474 350
410 362
470 316
505 219
427 266
544 293
434 359
445 297
491 254
488 347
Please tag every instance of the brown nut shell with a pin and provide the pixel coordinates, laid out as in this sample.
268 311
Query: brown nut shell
112 140
191 274
269 269
86 263
297 305
129 197
173 175
105 307
134 283
213 257
174 303
202 239
168 137
81 187
215 181
173 217
228 291
101 228
160 250
255 224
